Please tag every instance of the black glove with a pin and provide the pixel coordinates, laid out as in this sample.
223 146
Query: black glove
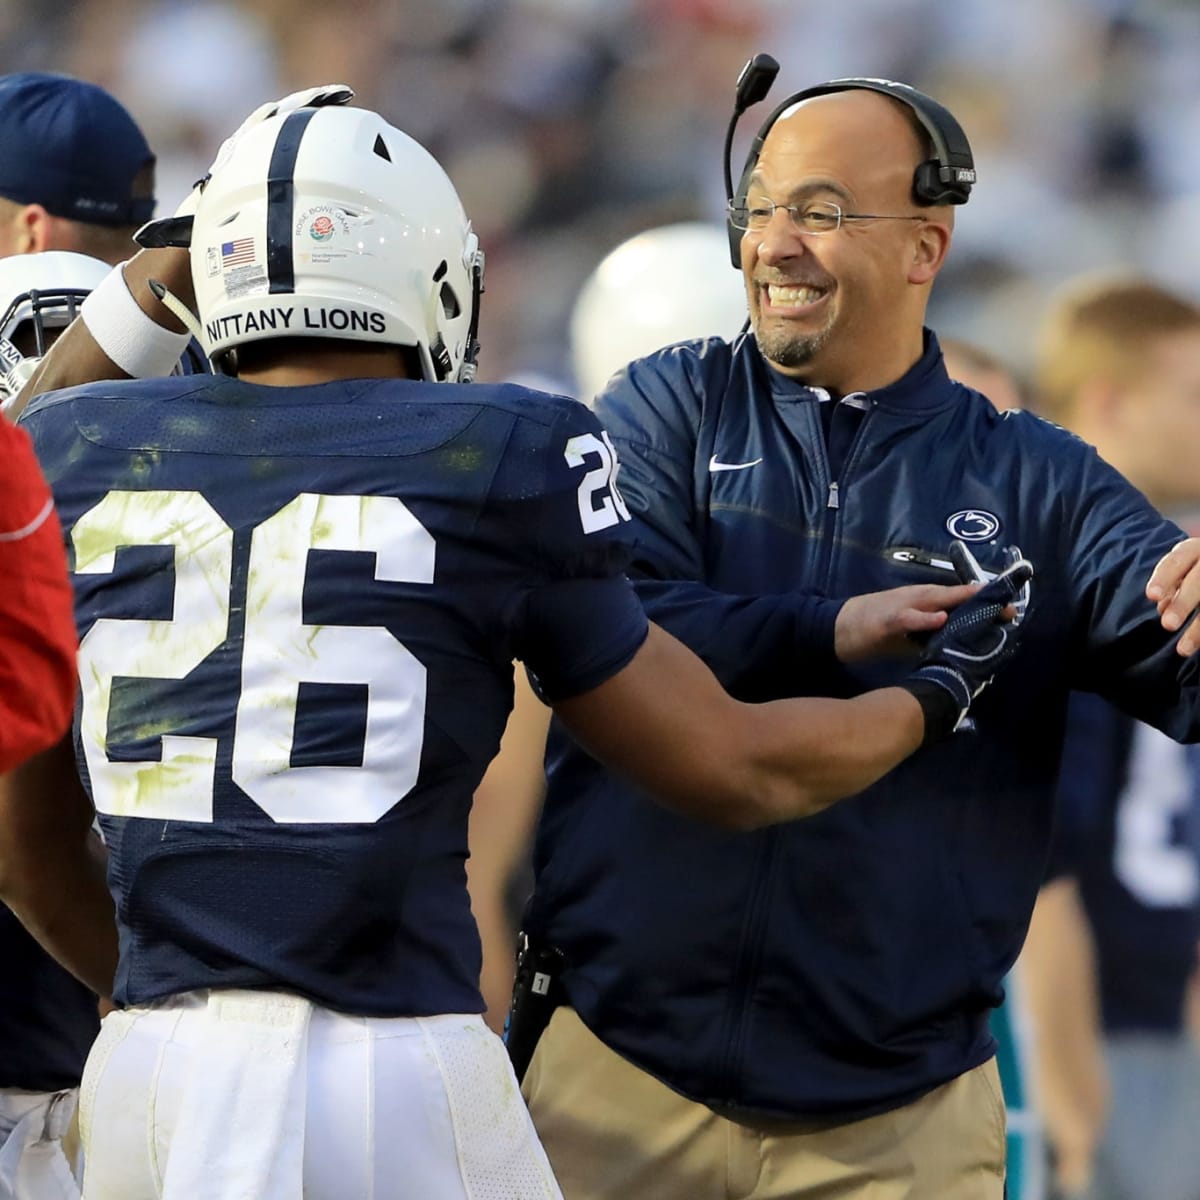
962 658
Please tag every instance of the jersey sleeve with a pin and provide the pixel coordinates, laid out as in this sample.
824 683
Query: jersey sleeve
37 626
579 622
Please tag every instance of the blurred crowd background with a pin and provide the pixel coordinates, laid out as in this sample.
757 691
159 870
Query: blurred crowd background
569 125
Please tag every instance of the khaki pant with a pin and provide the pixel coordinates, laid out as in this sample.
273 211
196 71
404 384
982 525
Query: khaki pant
614 1132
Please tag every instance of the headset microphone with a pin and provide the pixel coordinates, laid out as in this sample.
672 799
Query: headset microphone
753 84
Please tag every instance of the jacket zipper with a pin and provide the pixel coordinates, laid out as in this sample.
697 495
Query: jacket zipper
833 496
746 970
750 951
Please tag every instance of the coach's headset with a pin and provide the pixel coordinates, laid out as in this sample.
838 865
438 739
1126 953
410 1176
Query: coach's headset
946 178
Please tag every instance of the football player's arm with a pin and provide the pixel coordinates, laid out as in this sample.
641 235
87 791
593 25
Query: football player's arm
78 357
52 866
37 624
666 723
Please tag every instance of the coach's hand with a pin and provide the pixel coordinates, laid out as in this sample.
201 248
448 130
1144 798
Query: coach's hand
891 623
962 658
1174 586
176 230
313 97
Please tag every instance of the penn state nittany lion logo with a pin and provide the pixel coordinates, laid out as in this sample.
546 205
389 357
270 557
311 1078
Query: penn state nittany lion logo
973 525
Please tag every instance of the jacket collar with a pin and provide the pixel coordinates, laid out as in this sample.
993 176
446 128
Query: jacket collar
924 386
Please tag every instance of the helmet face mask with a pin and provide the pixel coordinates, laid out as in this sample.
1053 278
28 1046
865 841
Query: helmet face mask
40 295
329 222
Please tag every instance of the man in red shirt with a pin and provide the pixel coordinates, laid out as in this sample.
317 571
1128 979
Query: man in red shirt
37 628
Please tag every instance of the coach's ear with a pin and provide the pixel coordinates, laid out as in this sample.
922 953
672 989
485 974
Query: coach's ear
931 242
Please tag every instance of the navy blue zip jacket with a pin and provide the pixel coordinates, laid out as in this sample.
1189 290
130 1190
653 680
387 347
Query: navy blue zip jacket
844 964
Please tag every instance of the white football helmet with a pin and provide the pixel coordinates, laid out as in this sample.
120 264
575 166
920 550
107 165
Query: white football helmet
39 293
665 285
329 222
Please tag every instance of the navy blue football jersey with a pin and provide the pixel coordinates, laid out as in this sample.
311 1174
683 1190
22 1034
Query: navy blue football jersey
298 611
1128 829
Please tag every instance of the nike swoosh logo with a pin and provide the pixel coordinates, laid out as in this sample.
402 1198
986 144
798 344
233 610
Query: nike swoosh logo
715 466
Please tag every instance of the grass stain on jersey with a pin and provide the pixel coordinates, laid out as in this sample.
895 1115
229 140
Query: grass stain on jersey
464 459
143 464
157 785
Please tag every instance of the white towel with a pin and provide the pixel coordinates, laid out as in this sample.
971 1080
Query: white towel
240 1130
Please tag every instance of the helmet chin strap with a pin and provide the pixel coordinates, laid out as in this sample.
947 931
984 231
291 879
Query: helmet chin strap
470 364
168 298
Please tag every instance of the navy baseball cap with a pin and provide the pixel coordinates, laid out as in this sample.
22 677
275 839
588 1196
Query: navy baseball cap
74 149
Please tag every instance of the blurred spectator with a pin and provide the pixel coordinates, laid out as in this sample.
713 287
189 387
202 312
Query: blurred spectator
980 369
1025 1174
1119 916
76 172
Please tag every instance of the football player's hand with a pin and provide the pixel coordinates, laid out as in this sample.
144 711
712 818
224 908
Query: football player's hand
176 230
891 623
1174 586
979 637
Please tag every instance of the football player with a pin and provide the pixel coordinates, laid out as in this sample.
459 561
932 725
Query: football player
48 1019
300 586
76 180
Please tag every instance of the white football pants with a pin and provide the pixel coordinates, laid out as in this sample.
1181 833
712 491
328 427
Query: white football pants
232 1094
32 1163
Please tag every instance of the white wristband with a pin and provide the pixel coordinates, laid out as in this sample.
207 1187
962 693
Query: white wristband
139 345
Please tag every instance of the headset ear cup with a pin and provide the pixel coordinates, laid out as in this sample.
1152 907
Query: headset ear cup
929 188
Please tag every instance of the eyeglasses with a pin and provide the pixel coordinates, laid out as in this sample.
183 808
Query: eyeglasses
813 216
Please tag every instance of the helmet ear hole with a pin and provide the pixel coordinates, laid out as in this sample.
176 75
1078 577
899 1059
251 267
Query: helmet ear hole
450 304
